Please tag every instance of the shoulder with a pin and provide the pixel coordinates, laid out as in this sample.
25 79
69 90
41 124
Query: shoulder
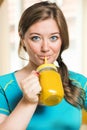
6 79
78 79
76 75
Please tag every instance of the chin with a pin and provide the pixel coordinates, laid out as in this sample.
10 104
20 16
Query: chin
51 61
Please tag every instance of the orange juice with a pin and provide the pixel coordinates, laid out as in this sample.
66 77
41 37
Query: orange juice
50 81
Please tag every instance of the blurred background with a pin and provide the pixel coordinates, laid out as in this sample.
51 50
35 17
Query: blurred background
75 12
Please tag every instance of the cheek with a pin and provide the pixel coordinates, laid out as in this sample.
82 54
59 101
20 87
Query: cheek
32 48
57 48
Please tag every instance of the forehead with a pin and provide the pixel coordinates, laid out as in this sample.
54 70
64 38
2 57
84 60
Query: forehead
47 25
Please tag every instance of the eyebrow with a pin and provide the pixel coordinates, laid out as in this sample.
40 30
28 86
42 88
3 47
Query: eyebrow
40 34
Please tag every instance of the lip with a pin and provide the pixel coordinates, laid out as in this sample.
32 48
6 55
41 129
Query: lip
43 57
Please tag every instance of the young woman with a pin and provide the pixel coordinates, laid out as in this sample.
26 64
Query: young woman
43 33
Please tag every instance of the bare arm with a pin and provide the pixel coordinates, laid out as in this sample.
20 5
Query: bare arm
20 117
23 112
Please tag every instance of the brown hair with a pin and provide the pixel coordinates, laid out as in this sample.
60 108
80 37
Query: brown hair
45 10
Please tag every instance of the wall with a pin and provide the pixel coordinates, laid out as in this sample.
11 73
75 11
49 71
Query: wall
4 39
84 30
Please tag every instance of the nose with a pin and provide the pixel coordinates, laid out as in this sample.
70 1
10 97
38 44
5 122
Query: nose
45 46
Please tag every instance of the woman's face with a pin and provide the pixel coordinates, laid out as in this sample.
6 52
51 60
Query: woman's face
42 40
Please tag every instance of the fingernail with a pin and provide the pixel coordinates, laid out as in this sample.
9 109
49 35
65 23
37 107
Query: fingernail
37 73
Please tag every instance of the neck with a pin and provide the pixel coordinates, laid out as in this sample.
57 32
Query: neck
31 66
24 72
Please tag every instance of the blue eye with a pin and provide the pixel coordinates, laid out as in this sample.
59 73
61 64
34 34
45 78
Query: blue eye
35 38
53 38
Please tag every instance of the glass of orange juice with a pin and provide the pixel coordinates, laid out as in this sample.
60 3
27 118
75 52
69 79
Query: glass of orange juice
50 80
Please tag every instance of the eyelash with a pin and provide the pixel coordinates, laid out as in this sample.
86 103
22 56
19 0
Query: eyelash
54 38
37 38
